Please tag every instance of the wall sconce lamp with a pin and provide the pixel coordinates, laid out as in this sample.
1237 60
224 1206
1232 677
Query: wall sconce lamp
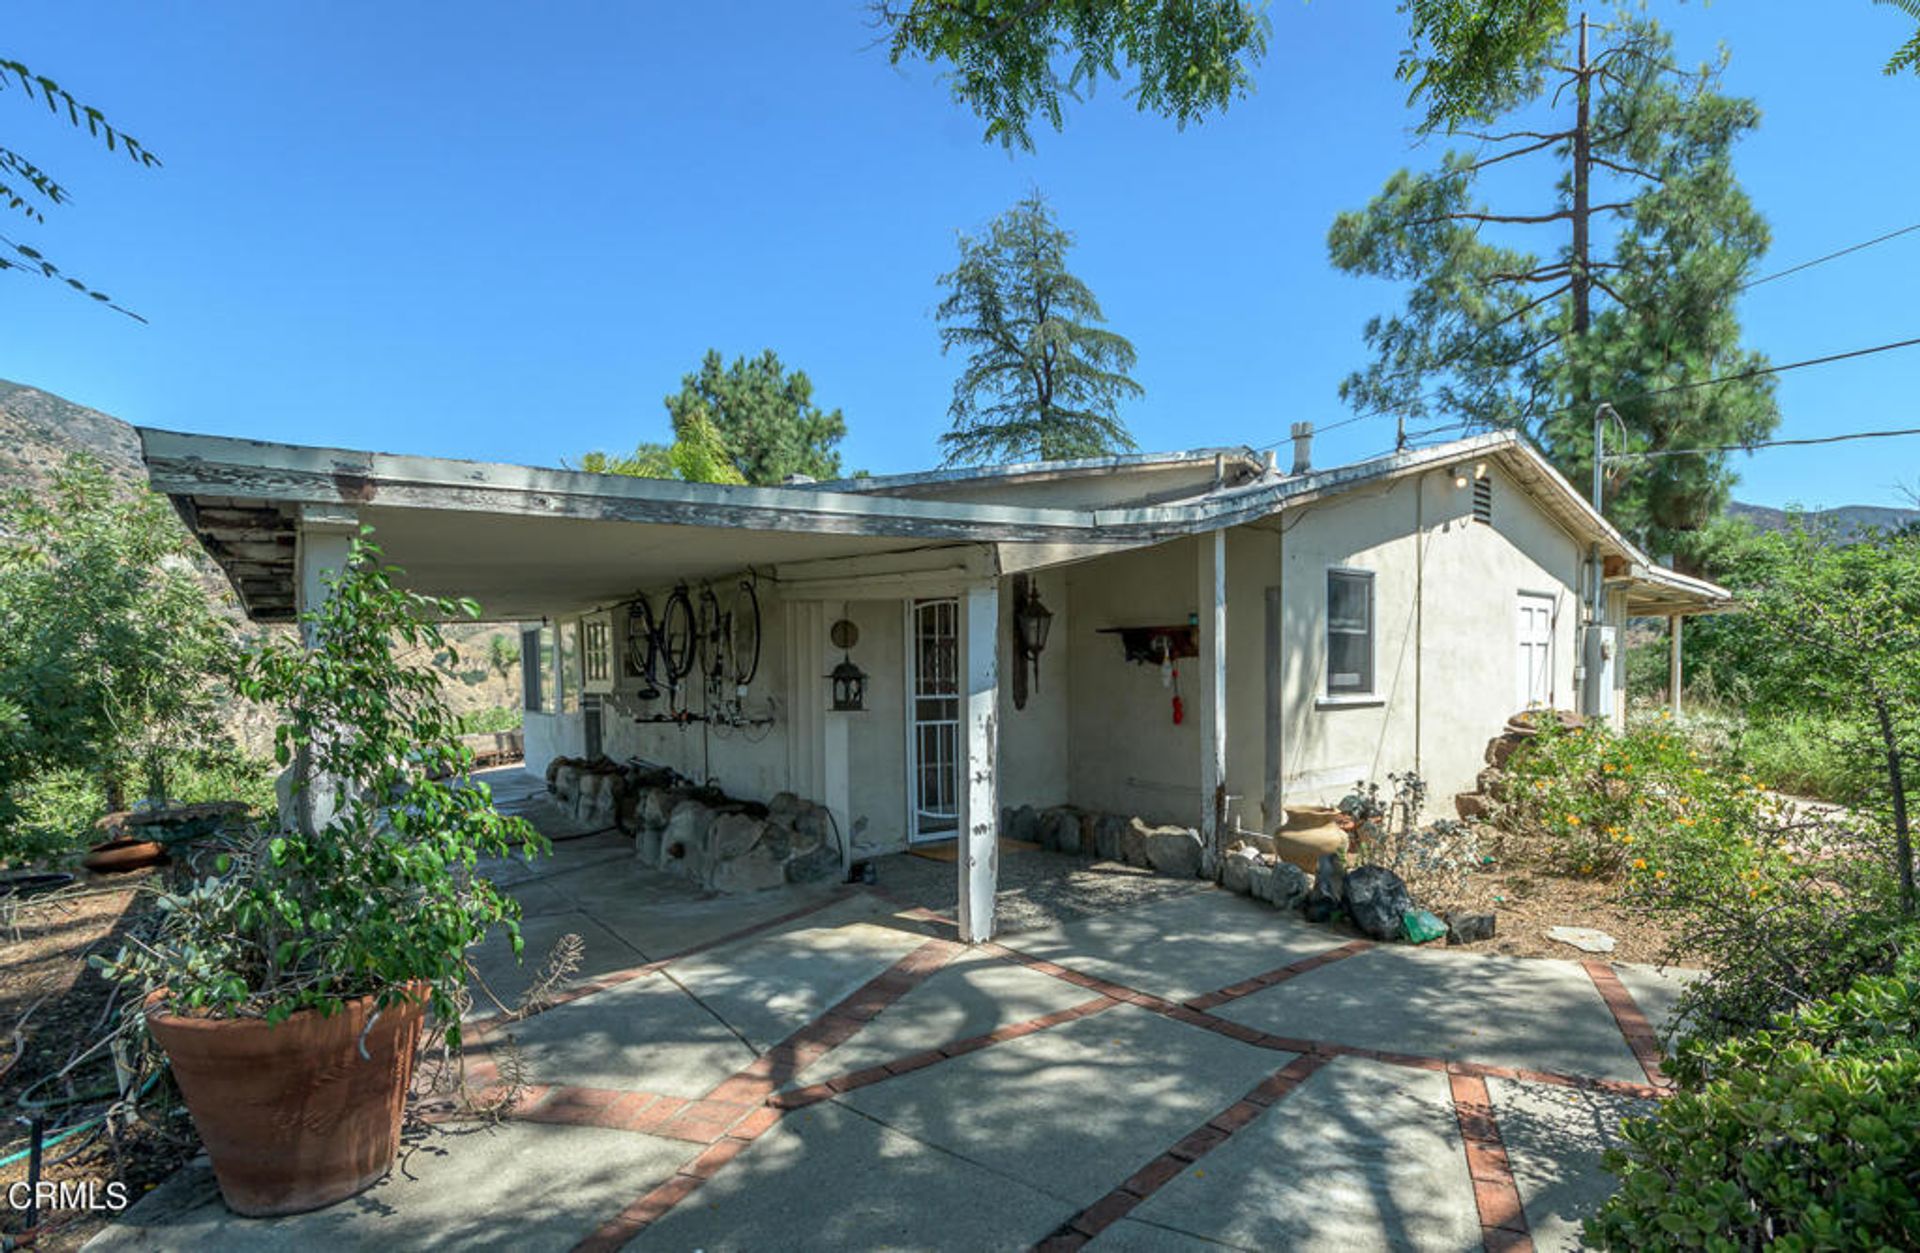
849 681
1033 620
1468 471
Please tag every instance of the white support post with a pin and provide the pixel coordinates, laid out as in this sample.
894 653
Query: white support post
979 852
322 546
1673 661
1213 691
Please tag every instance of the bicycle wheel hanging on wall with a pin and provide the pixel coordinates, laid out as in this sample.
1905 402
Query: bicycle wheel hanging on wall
643 643
677 635
743 634
709 629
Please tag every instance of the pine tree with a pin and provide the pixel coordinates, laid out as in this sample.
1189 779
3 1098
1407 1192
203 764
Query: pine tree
1655 238
1042 379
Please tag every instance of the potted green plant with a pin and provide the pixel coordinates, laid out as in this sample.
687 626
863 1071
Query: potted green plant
289 989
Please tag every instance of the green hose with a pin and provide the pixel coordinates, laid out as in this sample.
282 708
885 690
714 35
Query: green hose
74 1130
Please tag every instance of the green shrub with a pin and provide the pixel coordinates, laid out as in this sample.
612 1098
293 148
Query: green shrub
1643 803
494 718
1802 1136
54 812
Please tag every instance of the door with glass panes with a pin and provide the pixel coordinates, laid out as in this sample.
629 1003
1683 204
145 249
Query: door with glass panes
933 718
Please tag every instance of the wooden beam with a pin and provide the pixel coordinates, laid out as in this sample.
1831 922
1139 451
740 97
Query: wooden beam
979 852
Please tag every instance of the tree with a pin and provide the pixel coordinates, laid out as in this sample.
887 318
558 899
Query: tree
1189 57
750 422
1041 379
1640 320
28 189
110 653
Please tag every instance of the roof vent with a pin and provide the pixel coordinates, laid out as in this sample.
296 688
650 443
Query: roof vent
1302 447
1483 500
795 480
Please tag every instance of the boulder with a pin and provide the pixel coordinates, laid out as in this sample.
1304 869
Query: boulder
657 807
1472 806
597 803
1469 928
1022 824
818 866
1060 830
1236 871
1109 835
812 827
1501 747
683 843
1175 851
646 848
1324 899
1492 782
731 835
1133 842
1283 886
753 871
1376 898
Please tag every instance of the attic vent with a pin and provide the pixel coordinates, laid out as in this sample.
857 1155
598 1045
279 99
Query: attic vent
1483 501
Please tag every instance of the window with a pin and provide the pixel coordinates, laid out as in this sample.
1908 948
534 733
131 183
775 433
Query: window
596 653
541 660
1349 633
530 685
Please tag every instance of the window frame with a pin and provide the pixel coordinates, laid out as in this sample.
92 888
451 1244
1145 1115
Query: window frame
1371 689
531 686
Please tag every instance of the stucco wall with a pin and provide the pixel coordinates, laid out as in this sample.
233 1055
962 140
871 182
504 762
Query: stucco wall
1035 741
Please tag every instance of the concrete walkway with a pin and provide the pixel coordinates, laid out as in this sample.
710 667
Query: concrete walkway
827 1069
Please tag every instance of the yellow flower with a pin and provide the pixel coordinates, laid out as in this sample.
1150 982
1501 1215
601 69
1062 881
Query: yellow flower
1573 820
1587 869
1639 863
1626 839
1659 874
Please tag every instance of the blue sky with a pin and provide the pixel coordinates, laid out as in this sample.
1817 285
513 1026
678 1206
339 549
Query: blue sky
504 231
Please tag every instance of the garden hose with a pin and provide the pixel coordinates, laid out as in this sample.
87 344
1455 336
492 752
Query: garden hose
77 1128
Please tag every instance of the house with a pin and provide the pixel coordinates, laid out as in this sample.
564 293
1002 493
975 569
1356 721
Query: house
1193 637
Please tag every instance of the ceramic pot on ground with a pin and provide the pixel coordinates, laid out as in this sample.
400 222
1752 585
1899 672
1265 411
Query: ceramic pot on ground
293 1117
1309 832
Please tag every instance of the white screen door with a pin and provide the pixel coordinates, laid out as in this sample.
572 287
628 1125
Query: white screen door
1534 668
933 736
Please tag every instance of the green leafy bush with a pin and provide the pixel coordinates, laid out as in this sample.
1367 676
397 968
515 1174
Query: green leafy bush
1798 752
1805 1135
494 718
371 887
1644 803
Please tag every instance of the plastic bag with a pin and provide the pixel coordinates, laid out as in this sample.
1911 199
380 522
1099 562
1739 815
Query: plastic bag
1421 927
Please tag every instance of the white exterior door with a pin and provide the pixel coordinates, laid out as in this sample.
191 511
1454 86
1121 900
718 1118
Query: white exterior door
933 719
1534 666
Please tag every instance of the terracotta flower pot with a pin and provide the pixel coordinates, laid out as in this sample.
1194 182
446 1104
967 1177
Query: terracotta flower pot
1309 832
293 1117
126 853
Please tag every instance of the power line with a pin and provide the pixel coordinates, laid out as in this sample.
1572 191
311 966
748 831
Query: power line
1765 443
1808 265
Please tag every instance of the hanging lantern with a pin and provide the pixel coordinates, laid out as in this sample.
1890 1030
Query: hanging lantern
849 686
1034 620
849 681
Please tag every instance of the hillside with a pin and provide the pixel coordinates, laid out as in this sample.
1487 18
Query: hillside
39 430
1847 520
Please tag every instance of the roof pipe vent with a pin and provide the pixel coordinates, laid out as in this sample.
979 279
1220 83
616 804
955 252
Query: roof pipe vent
1302 447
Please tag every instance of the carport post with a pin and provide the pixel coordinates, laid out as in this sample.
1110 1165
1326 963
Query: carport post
1673 661
1213 692
979 851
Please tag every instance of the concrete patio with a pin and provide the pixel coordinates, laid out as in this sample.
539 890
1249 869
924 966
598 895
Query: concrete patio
827 1069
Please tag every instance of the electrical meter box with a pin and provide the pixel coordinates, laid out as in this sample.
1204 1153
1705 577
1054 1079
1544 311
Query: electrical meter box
1598 658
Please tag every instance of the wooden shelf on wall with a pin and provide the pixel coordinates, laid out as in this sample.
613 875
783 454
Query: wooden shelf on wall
1142 643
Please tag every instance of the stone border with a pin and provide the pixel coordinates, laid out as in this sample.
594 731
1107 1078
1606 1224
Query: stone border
1496 1193
1162 1170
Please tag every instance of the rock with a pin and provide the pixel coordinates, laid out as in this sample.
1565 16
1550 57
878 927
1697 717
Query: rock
646 848
1469 928
1586 939
596 804
821 864
1236 871
1023 825
1492 782
752 871
1376 899
1472 806
657 807
683 843
1324 899
1060 830
1133 842
812 827
1501 748
1109 834
1175 852
731 835
1284 886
